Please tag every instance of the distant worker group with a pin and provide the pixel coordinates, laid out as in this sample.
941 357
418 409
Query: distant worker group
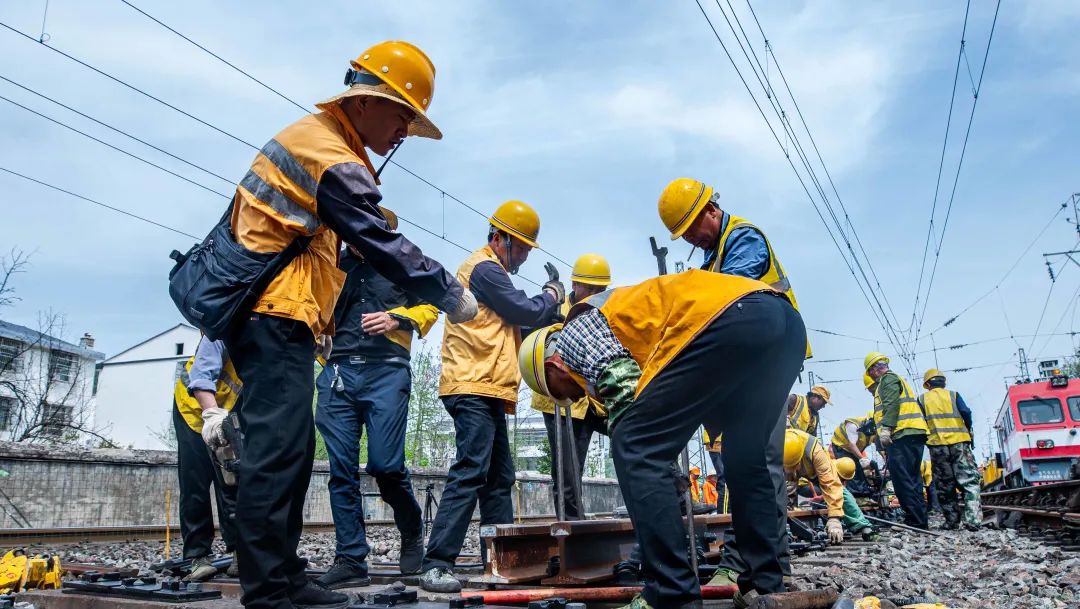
647 365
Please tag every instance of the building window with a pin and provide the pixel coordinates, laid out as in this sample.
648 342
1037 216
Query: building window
11 355
179 348
56 418
7 409
63 365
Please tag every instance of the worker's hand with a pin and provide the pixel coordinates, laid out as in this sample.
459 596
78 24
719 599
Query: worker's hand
835 531
556 289
465 310
212 433
377 324
324 346
864 462
885 436
552 272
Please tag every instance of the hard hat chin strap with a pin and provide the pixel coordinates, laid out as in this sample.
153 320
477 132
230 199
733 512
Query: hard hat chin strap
509 247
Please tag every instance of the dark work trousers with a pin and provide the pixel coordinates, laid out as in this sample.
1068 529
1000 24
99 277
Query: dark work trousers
858 486
375 396
932 503
731 554
482 471
721 482
905 462
733 377
582 436
195 471
275 359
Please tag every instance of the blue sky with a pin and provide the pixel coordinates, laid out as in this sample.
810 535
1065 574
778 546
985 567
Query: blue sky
584 110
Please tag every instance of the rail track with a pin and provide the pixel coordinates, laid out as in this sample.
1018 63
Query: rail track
1050 512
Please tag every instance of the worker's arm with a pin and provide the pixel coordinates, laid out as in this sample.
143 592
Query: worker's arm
204 373
420 318
492 287
851 432
889 392
616 387
346 202
965 413
790 403
746 254
831 486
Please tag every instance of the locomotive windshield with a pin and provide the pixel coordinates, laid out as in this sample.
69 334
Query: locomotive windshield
1041 410
1074 408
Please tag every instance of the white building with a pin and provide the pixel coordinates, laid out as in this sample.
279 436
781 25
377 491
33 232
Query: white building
46 385
135 387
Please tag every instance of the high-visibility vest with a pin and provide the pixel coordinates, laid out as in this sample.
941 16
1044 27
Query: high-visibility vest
695 490
774 275
840 439
480 356
228 390
808 444
926 469
911 416
709 494
802 417
711 444
943 418
657 318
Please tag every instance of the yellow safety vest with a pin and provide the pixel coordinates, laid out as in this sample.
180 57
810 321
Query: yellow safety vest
228 390
657 318
911 416
840 439
802 418
712 445
807 444
926 468
480 356
774 276
943 418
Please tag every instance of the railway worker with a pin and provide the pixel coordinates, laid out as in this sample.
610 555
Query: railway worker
709 494
479 386
315 179
695 486
591 275
366 383
902 433
666 356
734 246
950 445
714 449
803 409
854 519
851 439
805 458
207 390
926 471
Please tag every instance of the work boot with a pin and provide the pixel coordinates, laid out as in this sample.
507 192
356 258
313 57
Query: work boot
869 534
439 580
202 569
724 577
412 554
344 575
971 527
234 567
315 596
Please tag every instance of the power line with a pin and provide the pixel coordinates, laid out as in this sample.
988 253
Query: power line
302 107
831 333
99 203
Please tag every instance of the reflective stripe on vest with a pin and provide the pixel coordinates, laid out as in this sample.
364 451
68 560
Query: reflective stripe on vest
288 209
910 415
806 465
802 417
774 273
840 439
943 418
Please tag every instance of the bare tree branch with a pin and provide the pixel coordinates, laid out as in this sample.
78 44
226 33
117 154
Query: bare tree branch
11 265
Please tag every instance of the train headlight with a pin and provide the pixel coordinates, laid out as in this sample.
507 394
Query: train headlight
1045 444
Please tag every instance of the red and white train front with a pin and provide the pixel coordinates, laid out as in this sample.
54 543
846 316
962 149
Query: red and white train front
1038 431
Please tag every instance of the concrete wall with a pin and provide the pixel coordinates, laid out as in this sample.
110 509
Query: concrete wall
51 487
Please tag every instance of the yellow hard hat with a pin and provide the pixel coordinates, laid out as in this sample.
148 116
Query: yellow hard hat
681 202
398 71
591 269
534 349
867 380
391 217
845 468
929 374
792 449
874 358
822 393
517 219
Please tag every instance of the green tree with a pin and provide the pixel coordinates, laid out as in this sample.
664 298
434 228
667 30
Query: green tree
543 464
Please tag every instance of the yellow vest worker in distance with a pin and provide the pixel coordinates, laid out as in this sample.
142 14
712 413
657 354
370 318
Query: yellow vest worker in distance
207 387
803 409
902 432
714 448
665 357
850 440
950 443
805 458
479 385
590 276
315 179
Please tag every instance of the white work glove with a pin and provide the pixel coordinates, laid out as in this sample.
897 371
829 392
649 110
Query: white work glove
835 531
885 436
212 433
864 462
465 309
